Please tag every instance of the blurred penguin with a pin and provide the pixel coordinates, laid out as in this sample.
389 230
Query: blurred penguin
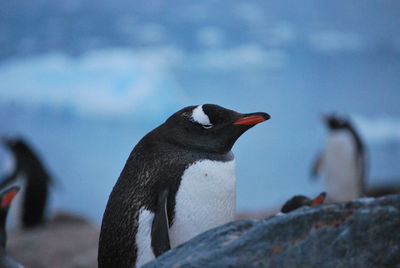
5 200
343 161
300 201
30 173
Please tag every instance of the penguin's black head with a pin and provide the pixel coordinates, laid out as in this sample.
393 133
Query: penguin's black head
15 144
299 201
295 203
209 127
335 122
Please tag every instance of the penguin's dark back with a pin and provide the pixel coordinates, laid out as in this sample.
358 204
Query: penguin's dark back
35 200
26 157
37 183
152 166
361 153
357 138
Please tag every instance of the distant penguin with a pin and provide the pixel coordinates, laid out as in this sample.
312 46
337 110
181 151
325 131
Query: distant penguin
35 181
178 181
299 201
5 200
342 161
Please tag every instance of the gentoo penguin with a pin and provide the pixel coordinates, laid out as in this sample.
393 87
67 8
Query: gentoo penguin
35 181
343 161
299 201
178 181
5 200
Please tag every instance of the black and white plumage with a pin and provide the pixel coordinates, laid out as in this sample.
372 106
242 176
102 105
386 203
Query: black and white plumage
6 196
178 181
34 181
343 160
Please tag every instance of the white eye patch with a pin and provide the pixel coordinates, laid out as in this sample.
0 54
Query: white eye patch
200 117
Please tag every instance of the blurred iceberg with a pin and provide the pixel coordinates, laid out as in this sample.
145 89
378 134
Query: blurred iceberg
379 129
107 83
247 56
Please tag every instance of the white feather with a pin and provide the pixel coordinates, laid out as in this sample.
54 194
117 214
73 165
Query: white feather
200 117
143 238
206 198
342 170
16 209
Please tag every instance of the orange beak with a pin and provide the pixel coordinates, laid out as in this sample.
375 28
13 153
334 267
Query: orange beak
8 197
252 119
318 200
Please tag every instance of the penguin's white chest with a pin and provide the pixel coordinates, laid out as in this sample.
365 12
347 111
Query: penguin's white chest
206 198
341 170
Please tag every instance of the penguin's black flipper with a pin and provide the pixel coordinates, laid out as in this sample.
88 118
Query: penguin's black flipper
317 165
159 230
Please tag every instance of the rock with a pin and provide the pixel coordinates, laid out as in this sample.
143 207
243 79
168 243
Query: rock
256 215
383 189
361 233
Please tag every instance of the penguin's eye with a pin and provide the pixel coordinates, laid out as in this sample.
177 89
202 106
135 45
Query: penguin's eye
207 126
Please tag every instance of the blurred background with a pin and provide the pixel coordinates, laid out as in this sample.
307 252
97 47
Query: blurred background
82 81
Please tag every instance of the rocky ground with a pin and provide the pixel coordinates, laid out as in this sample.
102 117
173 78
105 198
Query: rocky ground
65 242
362 233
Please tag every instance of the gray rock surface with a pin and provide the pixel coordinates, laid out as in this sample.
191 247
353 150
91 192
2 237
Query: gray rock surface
361 233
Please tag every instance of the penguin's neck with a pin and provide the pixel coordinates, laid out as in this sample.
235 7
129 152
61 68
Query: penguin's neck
190 154
342 143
